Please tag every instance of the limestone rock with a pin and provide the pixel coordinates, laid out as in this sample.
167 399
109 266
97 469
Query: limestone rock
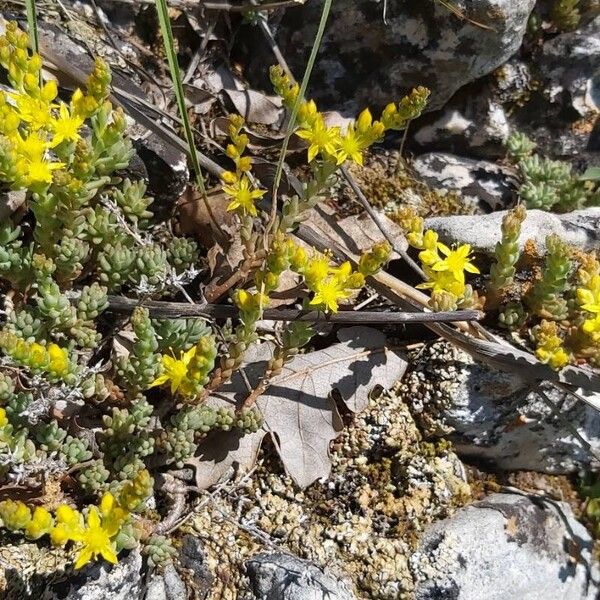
581 228
167 169
101 581
482 183
504 547
570 64
192 557
281 576
495 418
369 60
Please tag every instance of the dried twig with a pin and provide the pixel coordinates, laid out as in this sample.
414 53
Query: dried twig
181 310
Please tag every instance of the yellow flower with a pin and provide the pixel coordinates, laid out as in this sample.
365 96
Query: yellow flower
429 256
113 515
316 270
242 196
549 345
322 139
37 113
250 303
342 272
3 419
298 258
244 163
37 172
307 114
328 293
589 296
32 166
15 515
443 281
49 91
175 370
41 523
59 359
69 526
364 121
456 261
66 127
33 147
38 356
229 177
557 358
592 328
368 131
96 541
350 147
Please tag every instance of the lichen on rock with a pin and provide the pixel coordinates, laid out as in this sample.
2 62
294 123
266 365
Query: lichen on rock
362 523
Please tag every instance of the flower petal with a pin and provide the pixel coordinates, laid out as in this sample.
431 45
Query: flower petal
84 557
109 554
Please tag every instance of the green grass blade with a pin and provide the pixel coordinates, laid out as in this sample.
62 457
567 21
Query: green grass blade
165 26
307 73
32 25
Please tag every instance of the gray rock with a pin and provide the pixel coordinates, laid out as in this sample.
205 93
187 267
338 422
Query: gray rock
174 585
505 547
581 228
477 126
156 589
192 557
168 173
101 581
570 64
281 576
495 418
368 61
481 183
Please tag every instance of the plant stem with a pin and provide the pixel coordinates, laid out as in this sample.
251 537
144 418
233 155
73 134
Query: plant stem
299 99
32 25
165 26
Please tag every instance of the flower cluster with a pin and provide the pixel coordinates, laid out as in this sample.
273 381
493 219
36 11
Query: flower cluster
549 345
237 184
95 531
330 143
444 267
588 297
188 374
38 131
52 360
329 284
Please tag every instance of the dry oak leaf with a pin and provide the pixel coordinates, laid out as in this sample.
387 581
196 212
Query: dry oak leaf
298 412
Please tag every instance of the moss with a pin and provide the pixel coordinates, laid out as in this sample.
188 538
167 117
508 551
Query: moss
387 182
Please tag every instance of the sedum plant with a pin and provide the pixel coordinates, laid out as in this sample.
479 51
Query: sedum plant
556 297
105 412
549 184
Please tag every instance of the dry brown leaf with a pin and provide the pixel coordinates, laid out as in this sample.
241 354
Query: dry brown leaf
258 141
356 233
297 408
200 99
256 107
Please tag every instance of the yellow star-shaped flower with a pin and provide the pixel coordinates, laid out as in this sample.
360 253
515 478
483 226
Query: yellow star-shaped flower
175 370
96 541
243 196
456 261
